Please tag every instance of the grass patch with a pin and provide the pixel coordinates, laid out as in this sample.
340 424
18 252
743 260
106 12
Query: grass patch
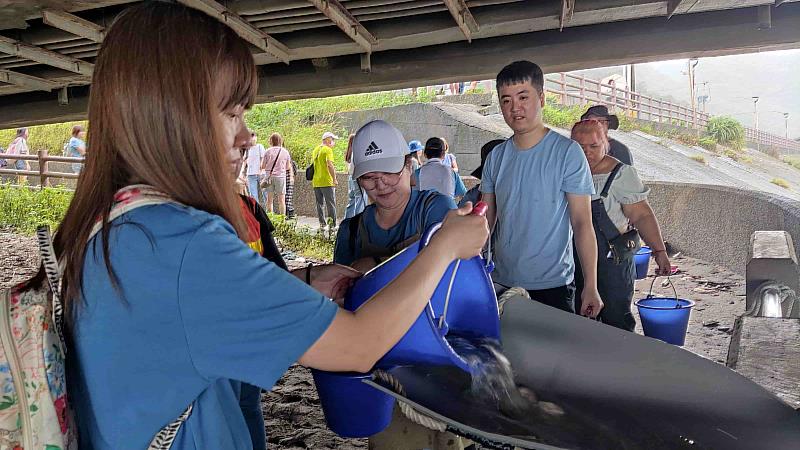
793 161
302 239
780 182
699 158
23 209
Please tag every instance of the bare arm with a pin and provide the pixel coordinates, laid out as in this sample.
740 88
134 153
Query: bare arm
491 209
332 171
580 216
356 340
642 217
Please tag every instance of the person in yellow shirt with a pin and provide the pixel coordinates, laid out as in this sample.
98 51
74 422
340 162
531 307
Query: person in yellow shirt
324 181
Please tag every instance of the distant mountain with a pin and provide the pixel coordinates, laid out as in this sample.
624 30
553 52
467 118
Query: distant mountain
732 81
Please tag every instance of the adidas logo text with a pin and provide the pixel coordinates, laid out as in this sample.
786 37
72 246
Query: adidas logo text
373 149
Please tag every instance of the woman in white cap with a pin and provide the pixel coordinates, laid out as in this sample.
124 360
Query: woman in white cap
397 216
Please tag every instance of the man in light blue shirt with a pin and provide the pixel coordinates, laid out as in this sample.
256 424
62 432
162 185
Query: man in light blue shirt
538 187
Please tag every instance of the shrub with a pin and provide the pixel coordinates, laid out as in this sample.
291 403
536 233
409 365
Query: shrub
562 116
699 158
780 182
23 209
726 131
793 161
708 143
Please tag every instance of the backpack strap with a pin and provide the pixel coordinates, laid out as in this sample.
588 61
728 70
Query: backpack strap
610 180
165 438
354 225
53 272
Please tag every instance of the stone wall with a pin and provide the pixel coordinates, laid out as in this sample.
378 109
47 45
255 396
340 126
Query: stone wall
714 223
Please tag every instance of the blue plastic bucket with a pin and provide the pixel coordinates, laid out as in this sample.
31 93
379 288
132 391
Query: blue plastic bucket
665 318
352 408
472 310
642 261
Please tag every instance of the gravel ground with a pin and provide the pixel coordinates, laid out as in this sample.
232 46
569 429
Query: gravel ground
293 414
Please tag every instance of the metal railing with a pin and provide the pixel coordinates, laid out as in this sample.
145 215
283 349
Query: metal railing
573 89
43 160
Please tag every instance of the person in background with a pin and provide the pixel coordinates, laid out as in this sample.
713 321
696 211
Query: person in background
438 177
449 159
274 165
195 312
324 181
19 146
255 154
617 149
537 187
474 194
415 148
291 173
435 175
356 199
76 147
618 207
397 216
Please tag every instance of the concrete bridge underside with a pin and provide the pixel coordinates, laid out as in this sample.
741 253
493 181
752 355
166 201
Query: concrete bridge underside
398 51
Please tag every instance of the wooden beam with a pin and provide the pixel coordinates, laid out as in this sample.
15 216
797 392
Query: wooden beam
366 62
74 24
567 10
40 55
339 15
242 27
27 81
673 5
460 12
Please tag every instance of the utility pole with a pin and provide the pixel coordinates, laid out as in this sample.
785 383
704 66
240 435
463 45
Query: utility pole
755 112
692 63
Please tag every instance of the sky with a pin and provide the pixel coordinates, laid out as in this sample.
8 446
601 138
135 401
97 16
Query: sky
732 81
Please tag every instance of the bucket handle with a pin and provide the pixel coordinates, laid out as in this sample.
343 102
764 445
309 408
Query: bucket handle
674 291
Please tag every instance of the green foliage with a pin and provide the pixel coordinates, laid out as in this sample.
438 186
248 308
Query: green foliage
23 209
793 161
303 240
780 182
699 158
43 137
302 122
708 143
561 116
726 131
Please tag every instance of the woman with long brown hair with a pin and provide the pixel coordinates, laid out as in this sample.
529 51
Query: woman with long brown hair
167 306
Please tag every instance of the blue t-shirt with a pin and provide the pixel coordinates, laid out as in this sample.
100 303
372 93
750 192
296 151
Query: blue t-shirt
533 236
201 314
435 210
73 145
460 190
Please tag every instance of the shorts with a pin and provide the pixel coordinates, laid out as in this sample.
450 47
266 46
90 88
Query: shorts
277 186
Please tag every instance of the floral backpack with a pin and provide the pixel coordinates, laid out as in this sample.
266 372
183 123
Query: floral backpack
34 407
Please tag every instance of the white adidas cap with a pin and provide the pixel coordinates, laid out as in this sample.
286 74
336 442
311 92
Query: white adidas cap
328 134
378 147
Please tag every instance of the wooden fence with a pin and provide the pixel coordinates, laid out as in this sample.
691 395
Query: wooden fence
43 160
574 89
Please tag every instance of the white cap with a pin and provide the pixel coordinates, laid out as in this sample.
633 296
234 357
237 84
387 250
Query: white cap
328 134
378 147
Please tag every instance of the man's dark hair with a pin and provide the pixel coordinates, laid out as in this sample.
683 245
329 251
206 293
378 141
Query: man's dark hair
434 148
520 72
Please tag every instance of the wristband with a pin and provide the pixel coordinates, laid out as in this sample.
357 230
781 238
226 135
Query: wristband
308 273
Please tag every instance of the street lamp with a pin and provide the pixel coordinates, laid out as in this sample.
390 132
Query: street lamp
755 112
786 122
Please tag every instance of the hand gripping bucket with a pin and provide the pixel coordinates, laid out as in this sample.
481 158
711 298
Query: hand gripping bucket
665 318
464 297
642 261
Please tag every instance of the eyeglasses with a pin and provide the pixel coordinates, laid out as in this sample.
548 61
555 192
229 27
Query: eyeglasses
388 179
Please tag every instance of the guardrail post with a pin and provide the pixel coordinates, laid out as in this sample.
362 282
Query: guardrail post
563 95
42 155
583 90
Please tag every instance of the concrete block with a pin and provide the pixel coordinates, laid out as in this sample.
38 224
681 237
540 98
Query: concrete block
771 266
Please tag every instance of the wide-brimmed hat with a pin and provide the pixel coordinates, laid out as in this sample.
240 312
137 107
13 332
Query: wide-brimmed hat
602 111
